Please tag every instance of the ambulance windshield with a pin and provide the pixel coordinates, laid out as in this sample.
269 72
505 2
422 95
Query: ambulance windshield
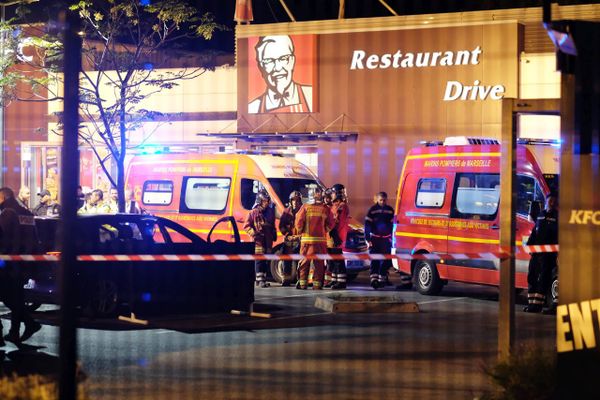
284 186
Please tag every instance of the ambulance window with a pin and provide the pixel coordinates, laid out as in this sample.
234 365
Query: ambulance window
249 189
204 195
431 192
528 190
157 193
477 196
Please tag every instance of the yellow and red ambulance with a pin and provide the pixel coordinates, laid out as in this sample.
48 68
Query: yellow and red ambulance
447 203
196 190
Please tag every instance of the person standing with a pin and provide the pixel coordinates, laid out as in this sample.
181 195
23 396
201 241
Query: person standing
113 201
341 214
23 197
328 280
541 265
313 221
94 204
47 207
260 225
17 236
378 234
131 206
291 241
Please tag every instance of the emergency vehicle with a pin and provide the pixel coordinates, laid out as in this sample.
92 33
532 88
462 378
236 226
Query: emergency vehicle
447 202
196 190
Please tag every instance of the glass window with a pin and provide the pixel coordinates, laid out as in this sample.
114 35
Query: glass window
477 196
157 193
431 192
249 189
204 195
528 190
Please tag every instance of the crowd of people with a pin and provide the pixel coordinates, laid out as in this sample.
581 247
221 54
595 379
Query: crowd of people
319 227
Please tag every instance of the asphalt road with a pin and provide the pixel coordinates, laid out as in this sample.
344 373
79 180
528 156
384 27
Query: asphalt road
301 352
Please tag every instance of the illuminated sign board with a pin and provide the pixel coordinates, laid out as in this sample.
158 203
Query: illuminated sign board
455 90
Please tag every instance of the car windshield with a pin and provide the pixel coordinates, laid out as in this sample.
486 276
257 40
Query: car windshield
284 186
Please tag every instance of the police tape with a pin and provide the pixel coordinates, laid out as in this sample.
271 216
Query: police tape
283 257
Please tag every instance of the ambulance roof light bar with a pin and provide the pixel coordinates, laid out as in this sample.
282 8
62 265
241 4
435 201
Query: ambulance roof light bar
465 140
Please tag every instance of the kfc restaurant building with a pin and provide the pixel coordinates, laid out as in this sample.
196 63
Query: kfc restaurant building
365 91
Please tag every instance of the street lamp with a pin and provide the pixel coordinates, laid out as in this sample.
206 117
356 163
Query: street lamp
3 6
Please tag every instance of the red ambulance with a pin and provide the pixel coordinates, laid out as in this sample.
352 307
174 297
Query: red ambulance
196 190
447 202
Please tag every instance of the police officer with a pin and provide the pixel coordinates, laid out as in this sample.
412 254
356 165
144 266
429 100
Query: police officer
260 225
17 236
539 277
291 241
341 214
313 221
378 233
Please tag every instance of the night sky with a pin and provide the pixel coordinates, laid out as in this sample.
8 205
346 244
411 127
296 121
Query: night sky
270 11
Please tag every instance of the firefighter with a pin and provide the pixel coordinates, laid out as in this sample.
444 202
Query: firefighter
313 221
260 225
541 265
341 214
378 233
291 241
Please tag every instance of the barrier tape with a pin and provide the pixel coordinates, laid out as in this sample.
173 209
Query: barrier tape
284 257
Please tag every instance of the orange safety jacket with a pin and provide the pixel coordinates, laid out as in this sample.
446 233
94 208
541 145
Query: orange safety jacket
341 215
313 223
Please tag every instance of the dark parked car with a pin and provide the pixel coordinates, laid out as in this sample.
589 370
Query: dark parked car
106 287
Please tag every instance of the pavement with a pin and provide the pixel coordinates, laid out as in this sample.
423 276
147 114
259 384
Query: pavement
301 351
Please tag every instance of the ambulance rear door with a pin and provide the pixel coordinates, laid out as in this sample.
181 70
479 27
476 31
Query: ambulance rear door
422 217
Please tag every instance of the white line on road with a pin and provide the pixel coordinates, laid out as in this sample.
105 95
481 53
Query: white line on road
441 301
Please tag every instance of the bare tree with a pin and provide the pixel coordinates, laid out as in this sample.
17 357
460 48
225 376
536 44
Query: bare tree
127 46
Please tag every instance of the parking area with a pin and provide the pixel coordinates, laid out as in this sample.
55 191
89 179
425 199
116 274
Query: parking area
301 351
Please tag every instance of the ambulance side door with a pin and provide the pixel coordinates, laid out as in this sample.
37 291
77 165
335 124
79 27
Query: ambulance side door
474 226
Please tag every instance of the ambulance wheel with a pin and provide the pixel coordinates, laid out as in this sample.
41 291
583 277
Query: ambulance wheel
277 271
552 295
426 277
351 276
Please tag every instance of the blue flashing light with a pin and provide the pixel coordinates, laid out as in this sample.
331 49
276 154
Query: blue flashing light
2 264
148 66
146 297
145 2
142 362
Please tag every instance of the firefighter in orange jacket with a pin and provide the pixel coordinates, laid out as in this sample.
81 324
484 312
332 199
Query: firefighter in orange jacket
313 221
341 214
328 200
260 225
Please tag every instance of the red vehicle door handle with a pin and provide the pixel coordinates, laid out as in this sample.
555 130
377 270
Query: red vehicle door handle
494 226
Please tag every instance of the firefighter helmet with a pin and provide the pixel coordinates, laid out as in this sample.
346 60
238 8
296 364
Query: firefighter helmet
315 195
339 190
261 196
296 195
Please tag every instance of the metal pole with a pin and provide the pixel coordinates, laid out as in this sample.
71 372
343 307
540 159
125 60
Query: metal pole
506 311
2 39
70 24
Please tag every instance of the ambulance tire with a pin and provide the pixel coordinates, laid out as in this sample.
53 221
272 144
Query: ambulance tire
277 268
552 295
426 278
351 276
